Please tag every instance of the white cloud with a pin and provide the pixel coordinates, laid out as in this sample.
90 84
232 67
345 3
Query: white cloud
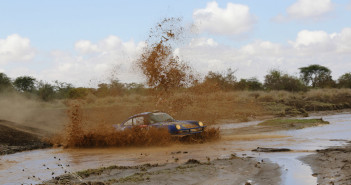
321 41
199 42
306 10
96 62
332 50
111 44
343 40
91 64
235 19
15 48
313 41
309 8
85 46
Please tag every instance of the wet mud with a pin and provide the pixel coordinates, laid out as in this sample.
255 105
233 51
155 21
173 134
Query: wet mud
292 171
331 165
233 170
14 140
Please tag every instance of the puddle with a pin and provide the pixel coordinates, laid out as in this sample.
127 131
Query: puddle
305 141
237 125
293 171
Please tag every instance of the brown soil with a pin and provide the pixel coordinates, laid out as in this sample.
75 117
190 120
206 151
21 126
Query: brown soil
234 170
14 138
332 165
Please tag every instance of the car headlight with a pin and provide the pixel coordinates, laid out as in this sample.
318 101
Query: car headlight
178 127
201 124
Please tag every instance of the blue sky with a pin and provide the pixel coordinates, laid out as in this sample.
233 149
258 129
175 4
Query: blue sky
83 41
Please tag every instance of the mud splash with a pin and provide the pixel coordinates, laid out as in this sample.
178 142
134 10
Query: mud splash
77 134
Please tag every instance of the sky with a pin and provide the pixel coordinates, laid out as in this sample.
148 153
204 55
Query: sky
90 42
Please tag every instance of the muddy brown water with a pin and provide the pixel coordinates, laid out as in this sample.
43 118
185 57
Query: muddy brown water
38 165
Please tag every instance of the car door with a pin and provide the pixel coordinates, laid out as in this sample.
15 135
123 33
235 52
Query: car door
139 121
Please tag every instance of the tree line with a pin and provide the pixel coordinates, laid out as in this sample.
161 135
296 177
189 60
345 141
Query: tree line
46 91
312 76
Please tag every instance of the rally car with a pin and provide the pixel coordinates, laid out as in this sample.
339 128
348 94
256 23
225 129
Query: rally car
159 119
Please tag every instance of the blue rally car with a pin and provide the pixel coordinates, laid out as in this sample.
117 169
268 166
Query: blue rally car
162 120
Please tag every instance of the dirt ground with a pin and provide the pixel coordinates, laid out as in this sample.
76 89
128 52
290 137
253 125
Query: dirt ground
233 170
332 165
15 138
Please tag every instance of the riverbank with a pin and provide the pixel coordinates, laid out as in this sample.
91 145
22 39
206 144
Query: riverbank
331 165
233 170
14 139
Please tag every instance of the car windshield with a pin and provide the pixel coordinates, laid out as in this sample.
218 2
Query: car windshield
160 117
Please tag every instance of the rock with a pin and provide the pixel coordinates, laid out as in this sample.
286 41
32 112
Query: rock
258 149
192 161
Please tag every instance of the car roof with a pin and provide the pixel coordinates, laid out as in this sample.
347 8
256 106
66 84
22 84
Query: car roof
145 113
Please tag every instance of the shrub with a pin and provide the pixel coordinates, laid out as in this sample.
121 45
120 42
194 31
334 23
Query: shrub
345 81
276 80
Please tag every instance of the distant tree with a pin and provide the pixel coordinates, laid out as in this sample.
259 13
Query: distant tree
5 82
102 90
46 91
78 93
345 80
25 83
225 81
62 89
276 80
135 88
116 88
273 80
251 84
316 76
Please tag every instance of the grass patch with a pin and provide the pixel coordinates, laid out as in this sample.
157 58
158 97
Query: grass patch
293 123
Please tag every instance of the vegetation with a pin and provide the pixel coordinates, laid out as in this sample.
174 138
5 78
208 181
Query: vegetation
293 123
345 81
276 80
5 83
316 76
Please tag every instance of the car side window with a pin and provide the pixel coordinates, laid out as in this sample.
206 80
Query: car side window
138 120
129 122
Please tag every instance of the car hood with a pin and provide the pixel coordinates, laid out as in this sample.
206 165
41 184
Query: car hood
183 123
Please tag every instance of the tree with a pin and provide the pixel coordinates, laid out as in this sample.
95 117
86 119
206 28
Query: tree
273 81
276 80
5 82
135 88
316 76
25 83
78 93
46 91
345 80
251 84
62 89
116 88
225 81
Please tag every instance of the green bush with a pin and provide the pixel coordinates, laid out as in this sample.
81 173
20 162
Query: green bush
276 80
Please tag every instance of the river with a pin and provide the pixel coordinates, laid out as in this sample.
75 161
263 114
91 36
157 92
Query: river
38 165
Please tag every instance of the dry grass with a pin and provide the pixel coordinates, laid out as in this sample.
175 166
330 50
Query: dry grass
209 107
214 107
